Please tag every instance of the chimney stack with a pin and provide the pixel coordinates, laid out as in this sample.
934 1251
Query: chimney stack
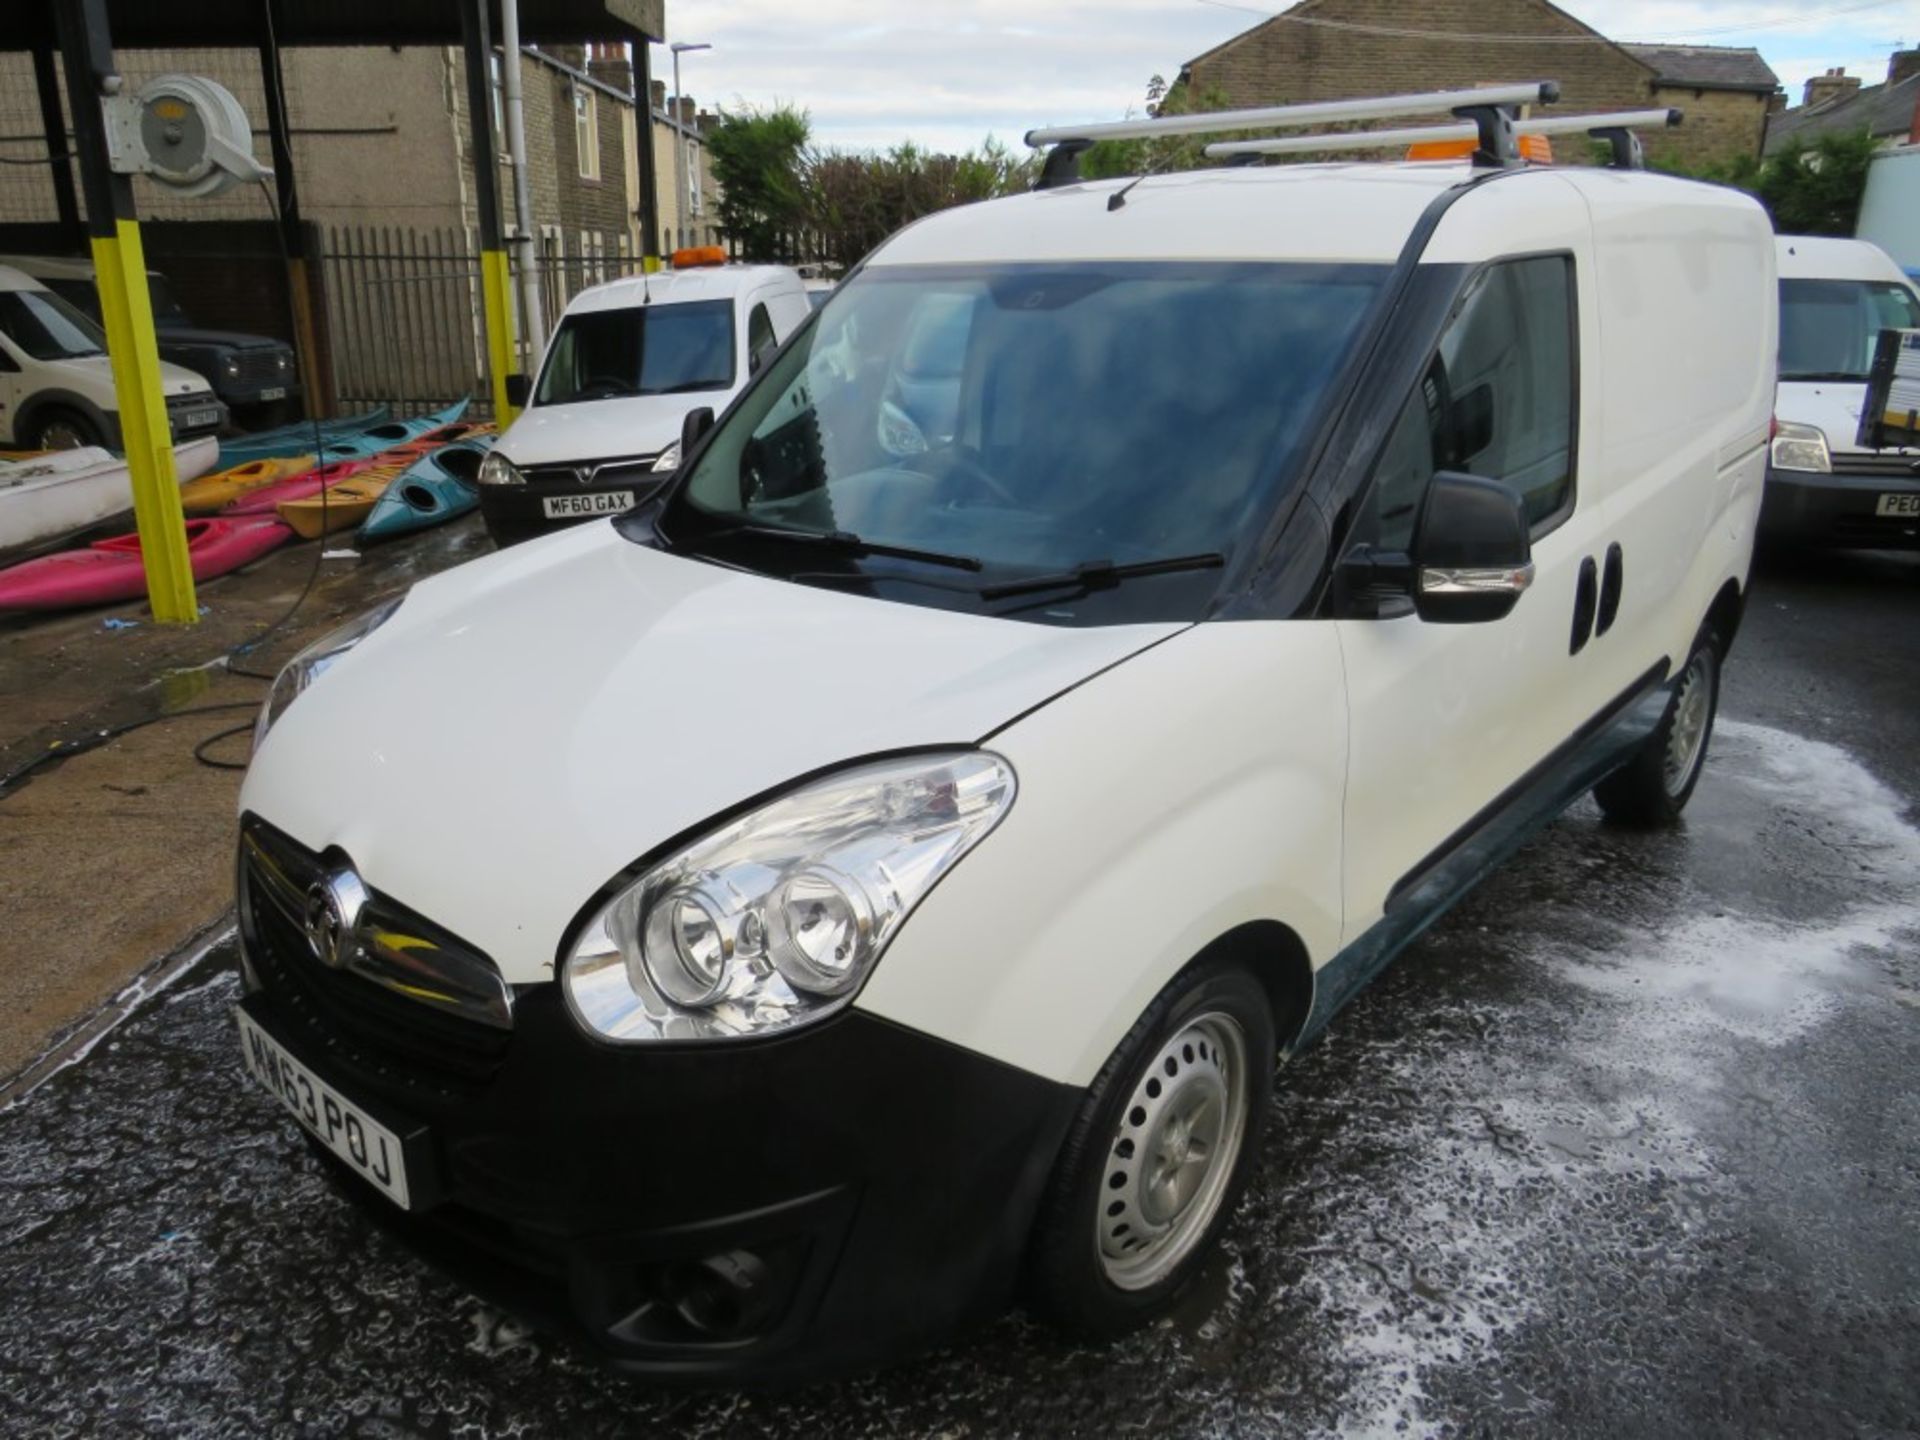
1903 65
659 88
1834 85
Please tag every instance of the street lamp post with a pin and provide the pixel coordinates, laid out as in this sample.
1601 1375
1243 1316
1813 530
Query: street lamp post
680 157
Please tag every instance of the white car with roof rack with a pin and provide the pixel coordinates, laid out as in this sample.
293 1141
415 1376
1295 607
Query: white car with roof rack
629 359
939 830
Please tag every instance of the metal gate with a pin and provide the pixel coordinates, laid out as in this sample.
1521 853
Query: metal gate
404 325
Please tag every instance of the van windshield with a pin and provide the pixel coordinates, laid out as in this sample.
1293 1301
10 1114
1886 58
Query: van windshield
1031 419
47 327
665 349
1828 328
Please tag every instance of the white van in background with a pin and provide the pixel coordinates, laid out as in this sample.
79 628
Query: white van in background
627 362
56 384
1823 487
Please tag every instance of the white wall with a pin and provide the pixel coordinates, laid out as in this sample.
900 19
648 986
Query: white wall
1890 213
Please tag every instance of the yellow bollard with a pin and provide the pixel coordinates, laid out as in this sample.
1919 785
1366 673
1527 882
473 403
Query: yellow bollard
126 309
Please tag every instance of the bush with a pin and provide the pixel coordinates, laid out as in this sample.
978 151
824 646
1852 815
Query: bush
1808 189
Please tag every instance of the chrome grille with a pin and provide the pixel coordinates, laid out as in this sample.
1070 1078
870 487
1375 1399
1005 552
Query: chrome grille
634 470
411 1007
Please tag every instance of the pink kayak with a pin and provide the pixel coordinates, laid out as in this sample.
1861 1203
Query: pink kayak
110 570
264 499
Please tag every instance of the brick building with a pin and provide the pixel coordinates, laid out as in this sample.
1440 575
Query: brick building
1335 49
1836 103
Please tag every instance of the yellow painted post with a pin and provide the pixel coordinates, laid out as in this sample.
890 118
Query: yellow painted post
126 309
496 284
496 299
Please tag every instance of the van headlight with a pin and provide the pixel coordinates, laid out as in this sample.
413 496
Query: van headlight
496 469
667 459
774 919
1801 447
314 661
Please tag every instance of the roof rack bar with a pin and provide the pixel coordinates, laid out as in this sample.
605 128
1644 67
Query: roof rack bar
1600 126
1382 107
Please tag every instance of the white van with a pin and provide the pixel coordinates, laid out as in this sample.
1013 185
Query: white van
627 362
880 876
1823 487
56 384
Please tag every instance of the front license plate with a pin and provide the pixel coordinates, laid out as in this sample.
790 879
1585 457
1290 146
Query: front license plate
569 507
274 392
343 1127
1901 507
200 417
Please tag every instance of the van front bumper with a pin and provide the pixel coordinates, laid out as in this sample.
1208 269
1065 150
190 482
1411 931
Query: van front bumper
777 1210
1812 510
519 512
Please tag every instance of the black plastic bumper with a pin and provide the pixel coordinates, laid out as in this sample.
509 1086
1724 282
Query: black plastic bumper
771 1211
1802 508
518 512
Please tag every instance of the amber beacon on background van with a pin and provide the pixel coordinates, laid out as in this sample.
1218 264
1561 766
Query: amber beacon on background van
1117 621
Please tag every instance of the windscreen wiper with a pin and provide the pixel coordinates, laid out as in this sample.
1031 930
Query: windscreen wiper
847 543
1099 574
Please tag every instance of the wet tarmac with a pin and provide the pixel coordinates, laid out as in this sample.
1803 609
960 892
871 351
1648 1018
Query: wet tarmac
1629 1145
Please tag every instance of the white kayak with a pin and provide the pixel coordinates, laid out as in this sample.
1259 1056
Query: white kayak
44 497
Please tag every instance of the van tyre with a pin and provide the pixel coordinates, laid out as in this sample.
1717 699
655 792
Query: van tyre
1652 789
1157 1157
58 428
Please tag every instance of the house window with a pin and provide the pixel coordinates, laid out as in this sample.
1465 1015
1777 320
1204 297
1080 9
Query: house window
586 131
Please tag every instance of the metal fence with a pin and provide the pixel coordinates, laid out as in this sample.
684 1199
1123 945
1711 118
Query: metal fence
404 320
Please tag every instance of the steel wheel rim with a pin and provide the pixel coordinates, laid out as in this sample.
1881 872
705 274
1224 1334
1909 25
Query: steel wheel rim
61 436
1173 1153
1692 712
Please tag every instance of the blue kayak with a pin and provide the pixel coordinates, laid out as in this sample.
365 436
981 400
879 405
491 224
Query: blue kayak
386 435
436 488
295 439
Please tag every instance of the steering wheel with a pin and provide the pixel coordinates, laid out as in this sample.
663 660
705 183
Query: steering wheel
964 460
612 385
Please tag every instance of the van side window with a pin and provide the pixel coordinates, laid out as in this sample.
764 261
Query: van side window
760 338
1497 401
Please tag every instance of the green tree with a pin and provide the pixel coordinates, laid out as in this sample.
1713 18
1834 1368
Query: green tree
1155 156
855 200
1808 189
757 158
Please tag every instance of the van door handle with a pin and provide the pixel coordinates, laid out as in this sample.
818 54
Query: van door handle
1586 599
1611 578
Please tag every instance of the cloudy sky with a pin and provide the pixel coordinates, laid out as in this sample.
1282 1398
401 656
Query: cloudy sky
947 73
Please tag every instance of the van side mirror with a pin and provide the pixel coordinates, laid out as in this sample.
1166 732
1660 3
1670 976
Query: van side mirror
519 391
1472 554
693 426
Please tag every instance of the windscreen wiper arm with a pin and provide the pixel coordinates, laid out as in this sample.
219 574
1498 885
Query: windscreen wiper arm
1099 574
848 543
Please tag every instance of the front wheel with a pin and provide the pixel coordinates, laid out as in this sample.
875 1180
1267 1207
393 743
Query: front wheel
1158 1155
1653 788
59 428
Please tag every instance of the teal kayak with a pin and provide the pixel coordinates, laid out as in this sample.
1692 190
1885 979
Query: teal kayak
294 439
436 488
387 434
